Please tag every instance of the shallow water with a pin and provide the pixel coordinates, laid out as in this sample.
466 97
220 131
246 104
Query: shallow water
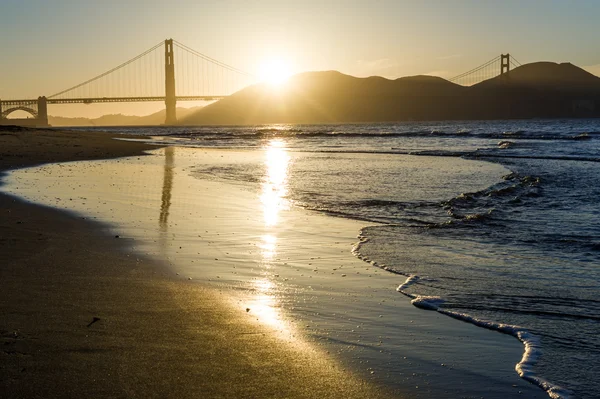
514 245
290 269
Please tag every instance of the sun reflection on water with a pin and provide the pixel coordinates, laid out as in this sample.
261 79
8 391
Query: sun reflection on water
268 247
274 188
266 300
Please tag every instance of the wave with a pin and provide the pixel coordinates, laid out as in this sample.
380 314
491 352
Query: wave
531 343
283 130
481 155
308 132
487 205
466 209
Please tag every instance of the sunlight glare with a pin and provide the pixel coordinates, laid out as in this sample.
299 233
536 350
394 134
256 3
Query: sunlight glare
268 245
266 306
275 183
275 72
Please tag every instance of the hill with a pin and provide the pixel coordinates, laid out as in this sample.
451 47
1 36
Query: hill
328 97
538 90
564 77
541 89
157 118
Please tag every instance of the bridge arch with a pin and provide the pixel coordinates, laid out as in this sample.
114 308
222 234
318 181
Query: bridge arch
9 111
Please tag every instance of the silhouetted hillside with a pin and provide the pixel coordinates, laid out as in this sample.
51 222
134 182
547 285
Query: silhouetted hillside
157 118
564 77
541 89
538 90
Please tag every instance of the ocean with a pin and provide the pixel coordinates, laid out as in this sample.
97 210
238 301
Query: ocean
518 252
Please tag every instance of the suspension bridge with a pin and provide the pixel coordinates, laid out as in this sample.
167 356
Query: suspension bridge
499 65
163 74
150 76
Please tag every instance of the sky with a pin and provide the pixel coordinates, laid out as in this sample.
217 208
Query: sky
50 45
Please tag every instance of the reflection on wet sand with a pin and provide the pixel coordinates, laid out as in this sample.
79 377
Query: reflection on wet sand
274 189
167 189
266 306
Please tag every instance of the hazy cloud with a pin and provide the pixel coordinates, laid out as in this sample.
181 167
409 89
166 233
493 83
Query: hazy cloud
448 57
381 63
382 67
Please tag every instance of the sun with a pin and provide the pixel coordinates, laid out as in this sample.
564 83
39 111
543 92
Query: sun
275 72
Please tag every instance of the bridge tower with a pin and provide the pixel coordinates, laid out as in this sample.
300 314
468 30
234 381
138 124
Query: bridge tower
42 105
504 63
170 99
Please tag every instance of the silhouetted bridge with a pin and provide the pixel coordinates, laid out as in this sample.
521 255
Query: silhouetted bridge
200 78
150 76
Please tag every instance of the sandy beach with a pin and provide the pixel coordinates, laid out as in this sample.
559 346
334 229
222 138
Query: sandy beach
81 317
175 286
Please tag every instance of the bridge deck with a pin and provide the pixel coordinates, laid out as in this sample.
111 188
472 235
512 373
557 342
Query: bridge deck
106 100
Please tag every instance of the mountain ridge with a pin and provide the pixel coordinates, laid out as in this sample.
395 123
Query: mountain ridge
157 118
537 90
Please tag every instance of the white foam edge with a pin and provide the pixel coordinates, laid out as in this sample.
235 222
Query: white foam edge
531 342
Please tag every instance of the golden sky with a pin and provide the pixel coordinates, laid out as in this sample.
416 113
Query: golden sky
52 45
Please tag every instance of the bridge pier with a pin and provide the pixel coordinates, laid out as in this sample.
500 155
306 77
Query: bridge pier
42 105
170 98
504 63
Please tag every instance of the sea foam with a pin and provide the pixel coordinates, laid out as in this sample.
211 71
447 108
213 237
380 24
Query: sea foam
531 343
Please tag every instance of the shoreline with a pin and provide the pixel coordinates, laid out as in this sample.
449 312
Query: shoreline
352 352
82 317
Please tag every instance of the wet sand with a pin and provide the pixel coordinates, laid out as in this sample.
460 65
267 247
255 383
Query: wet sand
272 286
81 316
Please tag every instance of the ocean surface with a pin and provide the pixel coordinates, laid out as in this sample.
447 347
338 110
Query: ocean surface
521 256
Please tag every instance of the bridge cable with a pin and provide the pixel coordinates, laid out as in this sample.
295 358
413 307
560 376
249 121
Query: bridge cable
477 69
207 58
109 72
514 60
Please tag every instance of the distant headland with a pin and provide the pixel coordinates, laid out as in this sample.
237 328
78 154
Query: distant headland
536 90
